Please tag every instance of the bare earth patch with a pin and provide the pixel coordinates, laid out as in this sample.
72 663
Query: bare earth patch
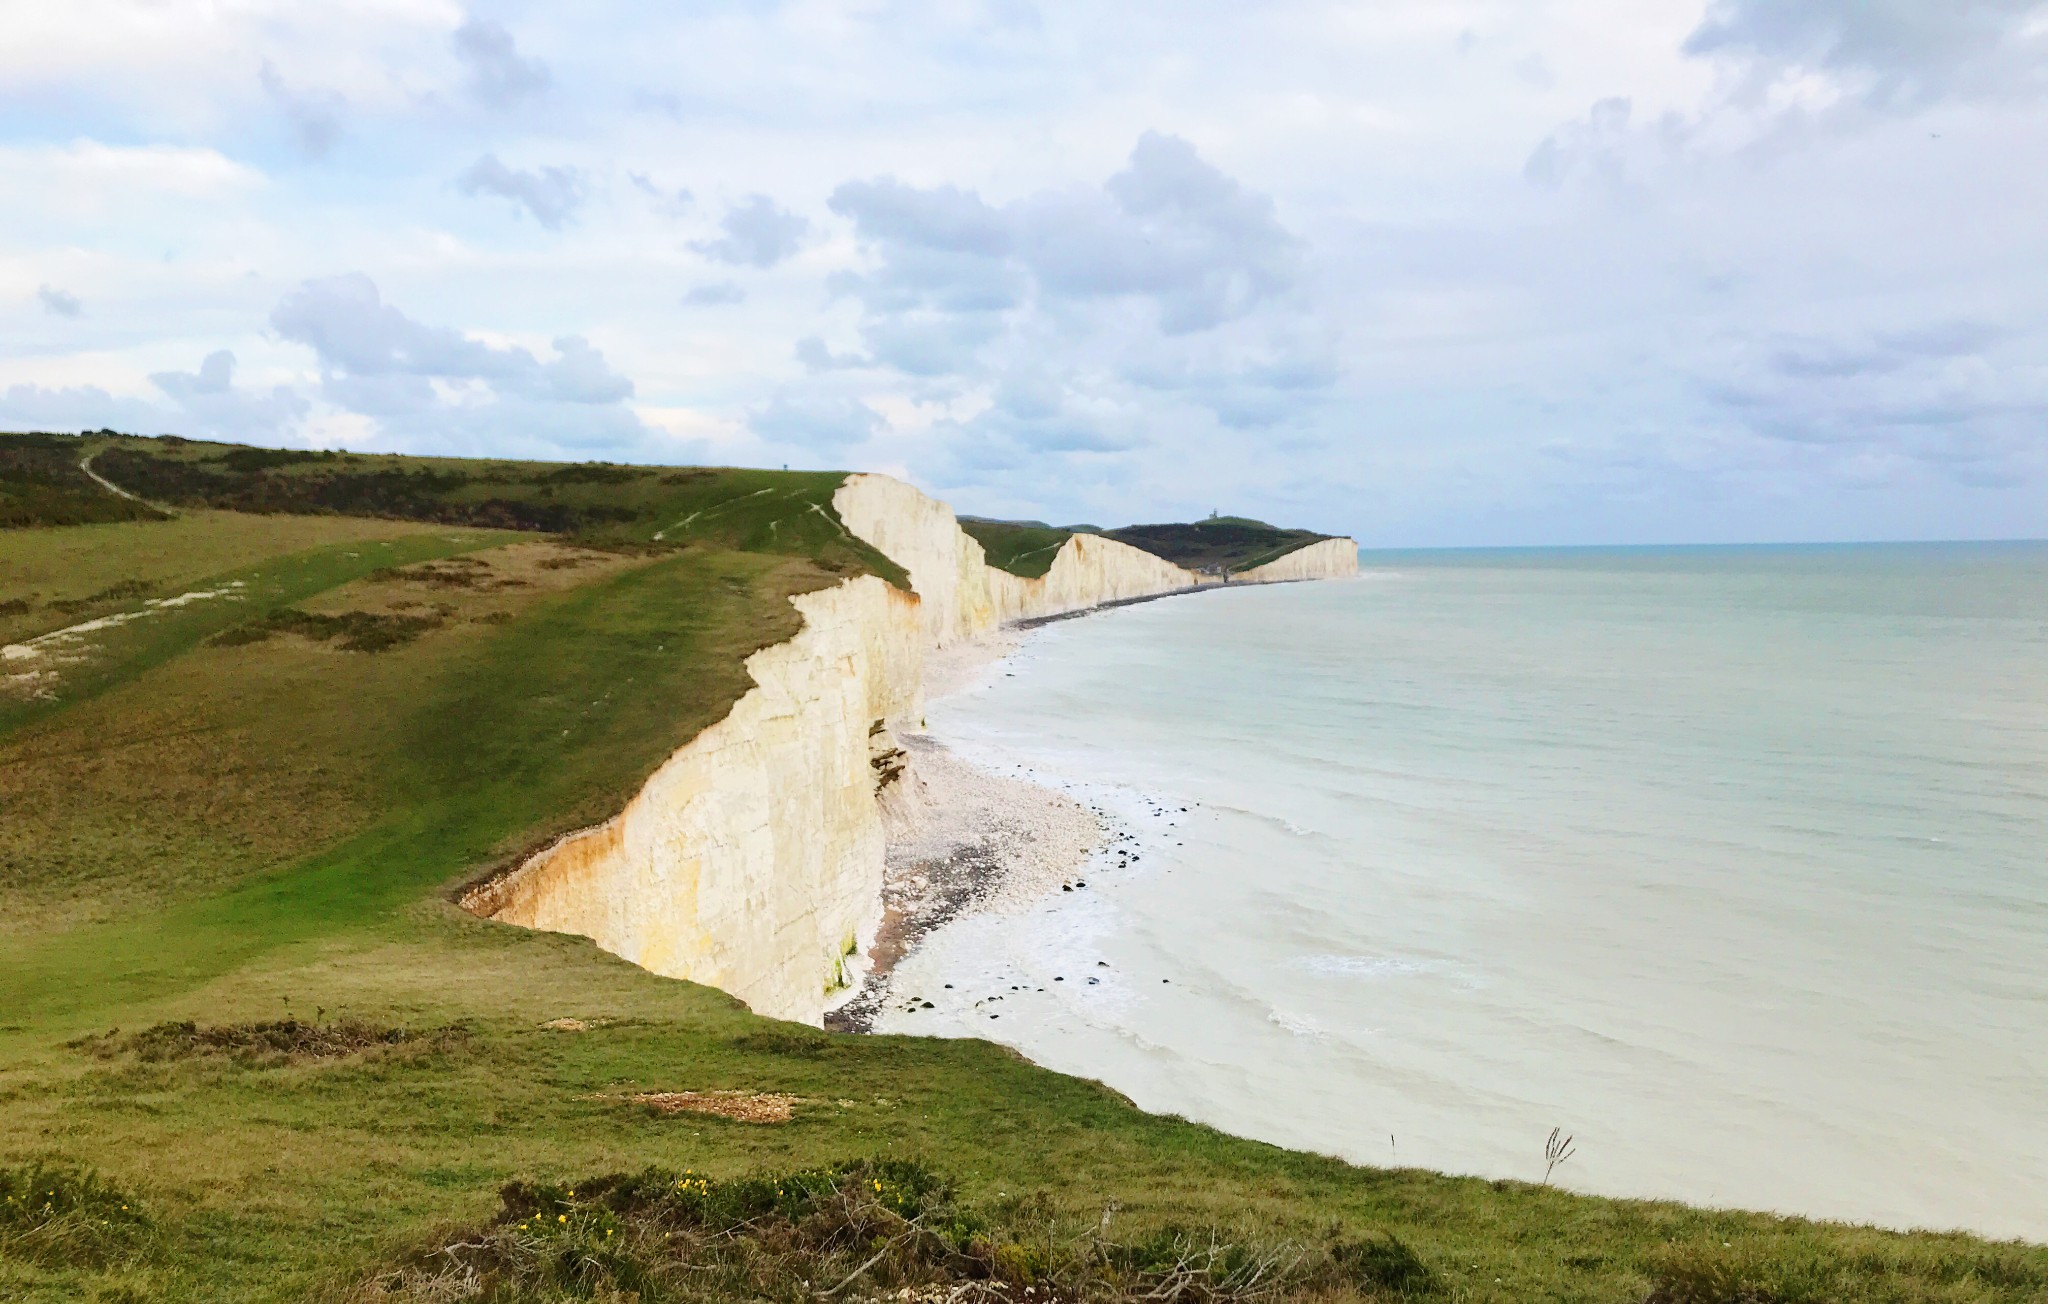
739 1106
573 1024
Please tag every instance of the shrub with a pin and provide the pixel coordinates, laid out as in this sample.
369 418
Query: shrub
356 631
864 1230
278 1041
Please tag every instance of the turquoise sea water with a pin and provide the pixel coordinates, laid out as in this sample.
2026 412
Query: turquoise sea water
1731 862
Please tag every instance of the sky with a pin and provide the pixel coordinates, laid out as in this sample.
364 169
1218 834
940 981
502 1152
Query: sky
1428 272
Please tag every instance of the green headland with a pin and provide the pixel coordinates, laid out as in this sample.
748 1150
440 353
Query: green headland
251 1051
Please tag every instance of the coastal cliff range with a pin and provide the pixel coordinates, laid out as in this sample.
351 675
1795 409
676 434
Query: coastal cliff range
752 860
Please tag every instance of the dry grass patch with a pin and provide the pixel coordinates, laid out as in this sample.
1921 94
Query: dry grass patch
739 1106
51 577
484 588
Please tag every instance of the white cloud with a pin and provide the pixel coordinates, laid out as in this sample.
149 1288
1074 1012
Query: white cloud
1404 268
1893 52
549 194
713 294
211 404
447 389
814 423
314 116
58 303
498 77
757 233
89 177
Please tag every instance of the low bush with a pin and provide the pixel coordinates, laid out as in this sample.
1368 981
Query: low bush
278 1041
119 591
41 483
261 480
866 1230
351 631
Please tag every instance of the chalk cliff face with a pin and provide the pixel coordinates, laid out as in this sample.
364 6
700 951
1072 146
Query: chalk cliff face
752 859
1331 559
962 595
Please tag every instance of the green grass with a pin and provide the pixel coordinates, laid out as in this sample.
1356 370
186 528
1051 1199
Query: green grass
1017 547
50 578
75 672
781 512
41 483
1223 543
1226 544
259 837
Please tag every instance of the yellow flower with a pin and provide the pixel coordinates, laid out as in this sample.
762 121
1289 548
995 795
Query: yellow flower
561 1217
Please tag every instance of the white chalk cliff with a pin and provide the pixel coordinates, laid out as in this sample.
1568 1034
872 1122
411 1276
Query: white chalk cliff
752 859
1326 560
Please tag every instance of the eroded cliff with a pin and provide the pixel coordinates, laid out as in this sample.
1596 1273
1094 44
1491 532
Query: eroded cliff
962 596
752 859
1329 560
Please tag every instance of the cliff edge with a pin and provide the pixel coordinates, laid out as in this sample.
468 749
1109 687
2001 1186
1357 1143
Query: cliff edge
752 859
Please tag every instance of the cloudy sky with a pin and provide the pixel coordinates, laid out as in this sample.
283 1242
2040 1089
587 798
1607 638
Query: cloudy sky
1427 271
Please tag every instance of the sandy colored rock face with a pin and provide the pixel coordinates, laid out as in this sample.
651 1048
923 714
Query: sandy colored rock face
963 596
1329 560
752 860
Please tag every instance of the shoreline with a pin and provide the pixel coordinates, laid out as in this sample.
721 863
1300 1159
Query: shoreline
966 840
963 840
1284 1011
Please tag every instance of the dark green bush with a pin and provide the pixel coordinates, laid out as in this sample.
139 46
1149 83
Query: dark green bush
351 631
863 1230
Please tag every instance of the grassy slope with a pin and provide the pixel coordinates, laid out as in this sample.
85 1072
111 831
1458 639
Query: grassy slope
781 512
53 578
290 861
41 483
1020 548
1227 543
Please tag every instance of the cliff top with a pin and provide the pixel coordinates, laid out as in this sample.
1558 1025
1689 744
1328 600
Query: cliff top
1218 545
788 513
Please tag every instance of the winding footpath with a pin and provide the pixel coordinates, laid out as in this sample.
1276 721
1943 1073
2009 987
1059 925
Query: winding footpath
85 465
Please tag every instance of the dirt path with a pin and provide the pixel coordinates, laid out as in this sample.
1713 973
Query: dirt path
85 465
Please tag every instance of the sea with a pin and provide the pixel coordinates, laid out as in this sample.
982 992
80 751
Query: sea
1728 864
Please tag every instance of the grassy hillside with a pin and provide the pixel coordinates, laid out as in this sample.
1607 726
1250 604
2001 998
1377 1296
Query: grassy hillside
780 512
1024 548
250 1052
42 482
1222 543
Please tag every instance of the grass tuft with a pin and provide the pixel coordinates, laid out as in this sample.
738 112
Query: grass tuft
797 1044
60 1215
